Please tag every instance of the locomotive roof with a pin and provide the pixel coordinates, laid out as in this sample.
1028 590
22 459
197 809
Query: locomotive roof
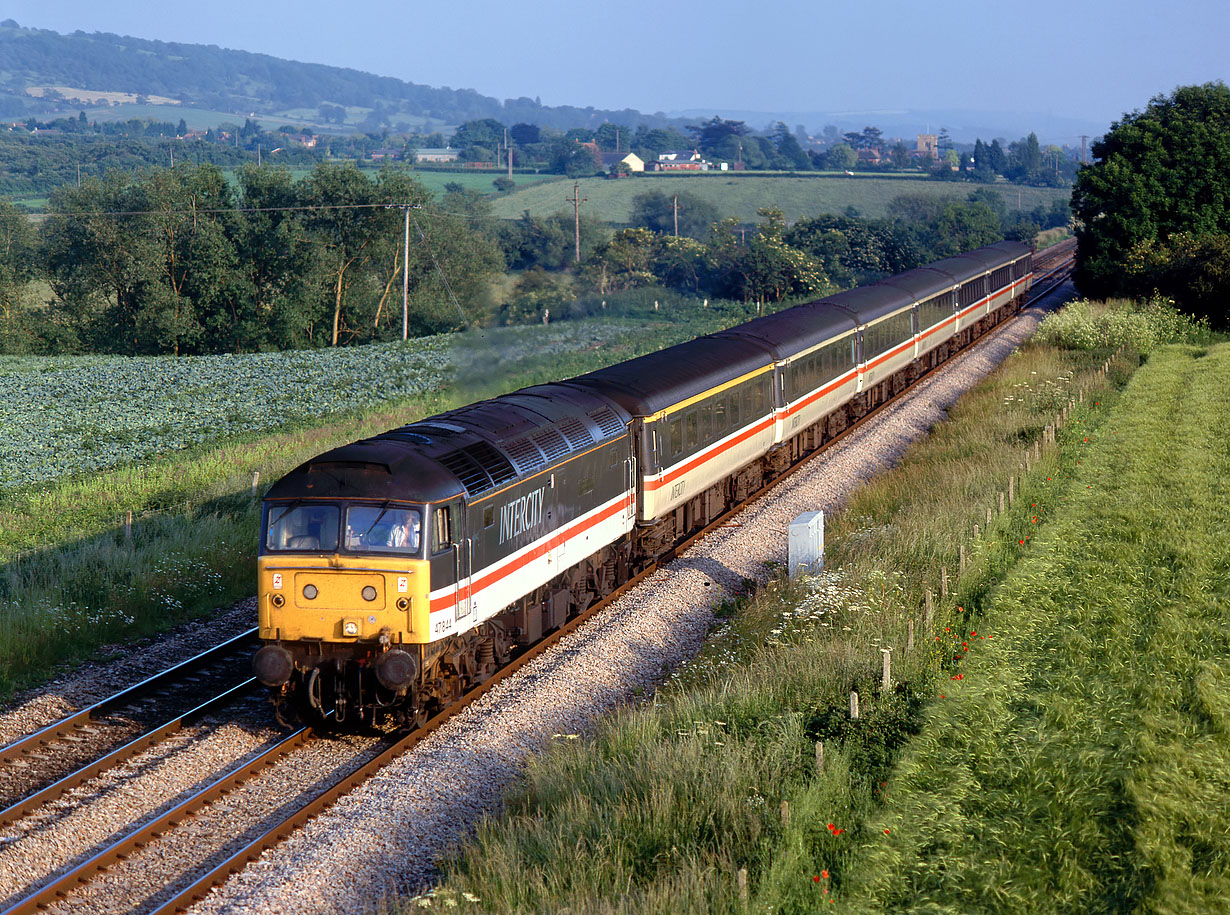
655 381
473 449
796 329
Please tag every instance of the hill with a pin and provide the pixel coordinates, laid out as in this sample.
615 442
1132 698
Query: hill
104 73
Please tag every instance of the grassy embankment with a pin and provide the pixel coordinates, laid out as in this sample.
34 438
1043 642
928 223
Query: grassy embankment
611 201
70 580
992 757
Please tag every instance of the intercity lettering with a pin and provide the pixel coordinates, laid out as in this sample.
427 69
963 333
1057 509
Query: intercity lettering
519 515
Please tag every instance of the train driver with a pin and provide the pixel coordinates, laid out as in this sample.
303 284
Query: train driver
404 534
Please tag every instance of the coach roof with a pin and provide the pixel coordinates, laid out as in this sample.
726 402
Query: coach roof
655 381
796 329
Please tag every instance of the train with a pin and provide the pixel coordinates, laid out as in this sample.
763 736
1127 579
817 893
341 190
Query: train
396 571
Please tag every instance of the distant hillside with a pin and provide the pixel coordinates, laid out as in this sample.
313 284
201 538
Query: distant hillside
46 73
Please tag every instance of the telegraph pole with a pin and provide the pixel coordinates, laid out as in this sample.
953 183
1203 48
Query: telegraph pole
676 215
1084 156
405 281
576 200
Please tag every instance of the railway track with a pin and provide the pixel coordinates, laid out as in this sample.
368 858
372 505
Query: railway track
1052 271
46 764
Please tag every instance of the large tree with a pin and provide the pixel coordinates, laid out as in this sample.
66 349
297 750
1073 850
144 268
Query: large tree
1158 173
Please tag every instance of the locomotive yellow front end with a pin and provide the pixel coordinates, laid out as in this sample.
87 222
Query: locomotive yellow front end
343 605
342 592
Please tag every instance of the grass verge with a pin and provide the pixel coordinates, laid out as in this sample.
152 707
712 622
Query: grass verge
667 802
1081 763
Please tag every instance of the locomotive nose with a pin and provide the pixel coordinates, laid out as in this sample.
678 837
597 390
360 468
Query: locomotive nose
395 669
273 665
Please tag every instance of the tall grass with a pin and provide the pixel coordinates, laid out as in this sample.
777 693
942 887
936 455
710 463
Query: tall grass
666 802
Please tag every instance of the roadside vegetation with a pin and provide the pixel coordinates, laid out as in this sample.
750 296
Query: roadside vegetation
662 807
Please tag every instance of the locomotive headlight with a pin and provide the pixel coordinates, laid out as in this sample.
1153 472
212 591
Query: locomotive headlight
369 593
403 603
350 627
310 592
278 600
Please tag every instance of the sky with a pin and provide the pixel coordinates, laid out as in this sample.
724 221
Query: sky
1092 60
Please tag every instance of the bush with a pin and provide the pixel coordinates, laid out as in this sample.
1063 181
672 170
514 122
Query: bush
1086 325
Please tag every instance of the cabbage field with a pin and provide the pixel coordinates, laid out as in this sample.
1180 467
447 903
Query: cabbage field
63 416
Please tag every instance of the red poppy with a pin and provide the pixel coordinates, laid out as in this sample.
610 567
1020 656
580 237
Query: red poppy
831 827
1021 542
886 832
815 879
824 874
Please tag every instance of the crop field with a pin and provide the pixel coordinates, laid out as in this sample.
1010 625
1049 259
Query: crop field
741 196
66 416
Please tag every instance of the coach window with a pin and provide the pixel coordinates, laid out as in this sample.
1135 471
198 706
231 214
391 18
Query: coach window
690 422
677 436
735 397
719 415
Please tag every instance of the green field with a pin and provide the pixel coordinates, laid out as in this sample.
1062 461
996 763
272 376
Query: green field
480 181
741 196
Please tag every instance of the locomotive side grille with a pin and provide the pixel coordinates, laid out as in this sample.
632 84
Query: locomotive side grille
473 477
551 443
495 464
576 434
607 421
525 456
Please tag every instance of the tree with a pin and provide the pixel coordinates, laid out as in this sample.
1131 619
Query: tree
766 269
842 157
1157 173
711 134
788 148
657 211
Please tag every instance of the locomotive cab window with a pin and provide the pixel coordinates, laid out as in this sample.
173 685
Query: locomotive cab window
301 527
384 529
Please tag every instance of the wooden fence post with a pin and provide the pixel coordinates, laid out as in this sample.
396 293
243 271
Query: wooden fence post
819 756
886 674
853 706
256 482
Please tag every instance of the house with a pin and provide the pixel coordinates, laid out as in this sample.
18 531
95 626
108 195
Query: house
680 161
680 155
380 155
634 162
436 154
869 157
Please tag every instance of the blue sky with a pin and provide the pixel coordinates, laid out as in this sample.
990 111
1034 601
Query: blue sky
1087 59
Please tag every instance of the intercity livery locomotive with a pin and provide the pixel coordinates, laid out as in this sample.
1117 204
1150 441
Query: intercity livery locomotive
398 570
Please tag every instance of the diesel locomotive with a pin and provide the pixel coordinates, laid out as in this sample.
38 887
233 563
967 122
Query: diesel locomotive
397 570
